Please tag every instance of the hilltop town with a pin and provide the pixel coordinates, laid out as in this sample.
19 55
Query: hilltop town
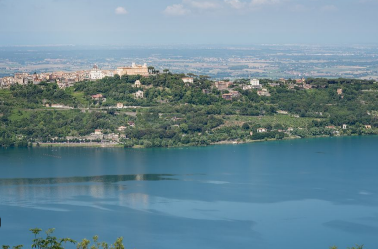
138 106
68 79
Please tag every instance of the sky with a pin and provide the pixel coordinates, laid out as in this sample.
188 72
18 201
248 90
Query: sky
188 22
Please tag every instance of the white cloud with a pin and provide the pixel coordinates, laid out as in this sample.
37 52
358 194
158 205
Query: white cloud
189 6
329 8
120 11
236 4
216 6
251 5
202 5
176 10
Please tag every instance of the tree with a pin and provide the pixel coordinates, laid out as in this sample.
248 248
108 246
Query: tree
184 128
245 126
166 71
151 70
52 242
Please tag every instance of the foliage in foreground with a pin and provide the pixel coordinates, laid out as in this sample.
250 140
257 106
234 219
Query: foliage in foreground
52 242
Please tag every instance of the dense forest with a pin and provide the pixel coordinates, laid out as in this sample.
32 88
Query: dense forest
173 113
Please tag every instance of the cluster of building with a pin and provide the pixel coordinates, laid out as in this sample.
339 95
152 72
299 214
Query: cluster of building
226 85
67 79
97 136
63 79
253 84
98 74
231 95
330 127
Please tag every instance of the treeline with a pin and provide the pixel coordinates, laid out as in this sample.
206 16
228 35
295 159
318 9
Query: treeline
32 96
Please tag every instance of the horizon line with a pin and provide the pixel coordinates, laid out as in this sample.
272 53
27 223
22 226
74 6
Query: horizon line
192 45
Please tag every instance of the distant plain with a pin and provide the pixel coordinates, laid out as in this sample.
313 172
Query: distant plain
218 62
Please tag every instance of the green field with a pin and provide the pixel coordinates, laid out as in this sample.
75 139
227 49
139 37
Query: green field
80 97
285 120
18 115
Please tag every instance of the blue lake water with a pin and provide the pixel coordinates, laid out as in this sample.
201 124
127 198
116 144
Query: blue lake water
289 194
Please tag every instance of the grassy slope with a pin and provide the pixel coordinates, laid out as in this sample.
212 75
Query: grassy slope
285 120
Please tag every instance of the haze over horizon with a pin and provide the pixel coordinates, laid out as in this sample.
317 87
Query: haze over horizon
117 22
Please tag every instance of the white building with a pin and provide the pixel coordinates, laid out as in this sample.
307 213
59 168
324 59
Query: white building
261 130
188 80
98 132
133 70
122 128
137 84
57 106
255 82
139 95
108 73
96 73
263 92
247 87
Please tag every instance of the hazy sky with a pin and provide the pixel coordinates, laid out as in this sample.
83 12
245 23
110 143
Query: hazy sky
126 22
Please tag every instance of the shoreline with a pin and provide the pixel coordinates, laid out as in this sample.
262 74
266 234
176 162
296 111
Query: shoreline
234 142
79 145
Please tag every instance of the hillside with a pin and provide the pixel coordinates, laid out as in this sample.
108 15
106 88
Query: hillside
173 113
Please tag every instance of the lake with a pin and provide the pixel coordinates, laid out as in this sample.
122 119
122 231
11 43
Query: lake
294 194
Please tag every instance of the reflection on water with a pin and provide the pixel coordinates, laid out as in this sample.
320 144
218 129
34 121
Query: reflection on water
102 179
137 201
39 192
